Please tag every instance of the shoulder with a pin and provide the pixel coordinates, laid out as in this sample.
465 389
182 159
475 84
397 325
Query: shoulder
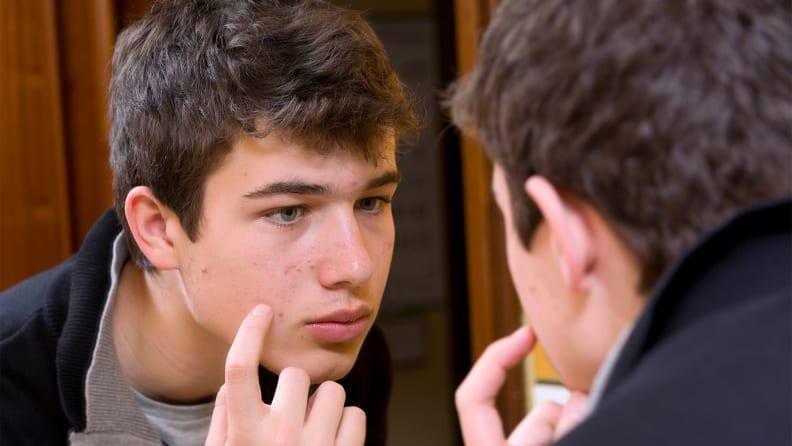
368 385
30 297
371 375
722 381
28 341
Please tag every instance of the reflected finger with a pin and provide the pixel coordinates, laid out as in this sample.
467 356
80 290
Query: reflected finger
325 413
218 427
352 428
290 399
241 372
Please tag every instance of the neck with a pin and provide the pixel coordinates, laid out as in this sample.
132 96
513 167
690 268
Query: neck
163 353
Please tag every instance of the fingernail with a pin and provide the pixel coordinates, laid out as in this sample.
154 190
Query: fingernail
522 331
261 310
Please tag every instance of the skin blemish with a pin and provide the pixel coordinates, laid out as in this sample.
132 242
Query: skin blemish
280 315
289 269
204 270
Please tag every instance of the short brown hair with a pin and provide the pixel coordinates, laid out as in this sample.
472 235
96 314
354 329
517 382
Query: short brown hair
193 74
667 116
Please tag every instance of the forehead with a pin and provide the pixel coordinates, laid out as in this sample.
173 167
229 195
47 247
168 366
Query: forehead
254 160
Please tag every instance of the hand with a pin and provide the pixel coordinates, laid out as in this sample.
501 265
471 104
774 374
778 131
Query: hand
241 418
475 400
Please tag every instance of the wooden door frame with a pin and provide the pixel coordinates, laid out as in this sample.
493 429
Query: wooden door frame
493 305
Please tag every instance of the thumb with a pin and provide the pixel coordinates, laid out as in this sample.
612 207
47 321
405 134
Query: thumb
574 411
538 427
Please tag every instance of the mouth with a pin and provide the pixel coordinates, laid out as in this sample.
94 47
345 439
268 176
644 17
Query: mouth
340 326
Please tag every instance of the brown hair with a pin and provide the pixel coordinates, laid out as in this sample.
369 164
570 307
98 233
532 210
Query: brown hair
667 116
192 74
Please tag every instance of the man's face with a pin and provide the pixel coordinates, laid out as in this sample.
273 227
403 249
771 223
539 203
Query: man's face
549 305
311 235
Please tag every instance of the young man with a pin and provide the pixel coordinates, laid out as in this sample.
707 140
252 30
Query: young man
643 160
252 149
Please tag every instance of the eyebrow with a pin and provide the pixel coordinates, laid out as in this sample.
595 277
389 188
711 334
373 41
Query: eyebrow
386 178
301 188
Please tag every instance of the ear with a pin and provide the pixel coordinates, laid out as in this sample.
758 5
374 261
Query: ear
569 231
149 222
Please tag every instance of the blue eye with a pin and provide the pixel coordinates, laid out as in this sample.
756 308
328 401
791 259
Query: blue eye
285 216
372 205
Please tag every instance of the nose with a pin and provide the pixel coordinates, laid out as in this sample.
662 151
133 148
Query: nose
346 263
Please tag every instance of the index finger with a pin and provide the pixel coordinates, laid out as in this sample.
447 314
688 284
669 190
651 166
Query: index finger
241 371
475 397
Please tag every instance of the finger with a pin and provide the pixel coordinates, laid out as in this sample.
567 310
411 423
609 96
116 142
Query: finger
290 400
325 413
573 413
241 374
538 428
352 428
475 397
309 407
219 424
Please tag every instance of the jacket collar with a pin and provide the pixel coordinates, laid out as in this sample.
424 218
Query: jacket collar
90 281
748 256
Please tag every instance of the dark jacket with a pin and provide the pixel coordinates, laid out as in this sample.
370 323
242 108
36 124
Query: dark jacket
709 362
48 328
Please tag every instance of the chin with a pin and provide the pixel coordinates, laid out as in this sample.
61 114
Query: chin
321 365
323 369
578 378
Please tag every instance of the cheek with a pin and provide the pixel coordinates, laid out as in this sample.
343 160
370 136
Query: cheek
228 285
386 250
518 263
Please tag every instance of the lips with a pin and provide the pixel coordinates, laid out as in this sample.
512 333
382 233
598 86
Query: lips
340 326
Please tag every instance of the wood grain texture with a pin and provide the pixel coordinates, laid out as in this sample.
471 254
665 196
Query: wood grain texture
86 31
494 308
34 211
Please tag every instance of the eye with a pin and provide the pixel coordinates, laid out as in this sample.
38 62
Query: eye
285 216
372 205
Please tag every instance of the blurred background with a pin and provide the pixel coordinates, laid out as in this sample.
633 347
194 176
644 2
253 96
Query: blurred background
449 293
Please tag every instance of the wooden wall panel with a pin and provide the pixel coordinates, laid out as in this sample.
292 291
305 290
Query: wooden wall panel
86 31
34 219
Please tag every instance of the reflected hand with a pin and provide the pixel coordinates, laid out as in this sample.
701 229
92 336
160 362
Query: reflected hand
241 418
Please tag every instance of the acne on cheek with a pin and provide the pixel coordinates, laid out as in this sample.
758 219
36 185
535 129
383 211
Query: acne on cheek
290 269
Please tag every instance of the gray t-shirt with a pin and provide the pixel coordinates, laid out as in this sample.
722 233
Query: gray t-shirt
178 425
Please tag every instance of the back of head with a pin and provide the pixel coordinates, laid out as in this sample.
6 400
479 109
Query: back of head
667 116
193 74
